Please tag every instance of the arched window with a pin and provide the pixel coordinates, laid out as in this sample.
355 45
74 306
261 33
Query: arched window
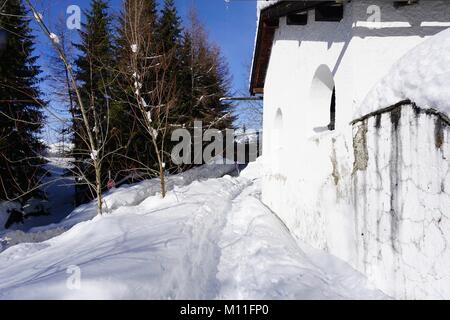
332 124
323 100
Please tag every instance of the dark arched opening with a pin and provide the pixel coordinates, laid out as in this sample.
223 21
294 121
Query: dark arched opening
332 125
323 100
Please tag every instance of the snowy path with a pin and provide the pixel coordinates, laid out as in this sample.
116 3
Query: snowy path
261 260
207 239
59 191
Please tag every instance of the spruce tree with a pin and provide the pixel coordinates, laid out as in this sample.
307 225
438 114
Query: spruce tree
203 79
169 38
21 115
169 33
94 74
169 27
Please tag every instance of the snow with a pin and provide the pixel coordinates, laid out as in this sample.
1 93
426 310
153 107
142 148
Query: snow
154 133
60 148
247 136
59 190
37 16
94 154
260 5
422 75
210 237
261 260
54 38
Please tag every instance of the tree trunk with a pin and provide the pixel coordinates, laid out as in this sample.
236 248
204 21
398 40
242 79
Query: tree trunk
98 185
162 180
161 169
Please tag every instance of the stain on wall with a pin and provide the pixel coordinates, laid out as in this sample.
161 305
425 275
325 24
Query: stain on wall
360 147
400 199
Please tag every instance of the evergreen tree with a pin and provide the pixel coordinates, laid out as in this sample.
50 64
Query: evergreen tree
138 19
94 74
21 116
203 80
169 38
169 27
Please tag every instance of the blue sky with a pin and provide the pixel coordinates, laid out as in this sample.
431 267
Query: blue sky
230 24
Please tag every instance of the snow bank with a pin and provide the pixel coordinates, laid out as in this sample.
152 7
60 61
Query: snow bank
133 194
422 76
261 260
126 195
210 239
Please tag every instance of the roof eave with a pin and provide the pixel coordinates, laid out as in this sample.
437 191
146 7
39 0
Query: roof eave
267 25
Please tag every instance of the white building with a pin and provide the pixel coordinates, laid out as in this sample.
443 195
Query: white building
364 172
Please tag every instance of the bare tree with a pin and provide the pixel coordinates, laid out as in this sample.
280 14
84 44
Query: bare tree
146 68
91 133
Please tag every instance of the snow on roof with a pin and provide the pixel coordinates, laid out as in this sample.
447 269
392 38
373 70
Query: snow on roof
262 4
422 76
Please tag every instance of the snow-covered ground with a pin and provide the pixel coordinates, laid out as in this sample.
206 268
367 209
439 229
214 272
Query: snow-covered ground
211 237
59 148
59 190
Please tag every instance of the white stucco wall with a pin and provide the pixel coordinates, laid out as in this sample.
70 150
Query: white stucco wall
310 180
401 201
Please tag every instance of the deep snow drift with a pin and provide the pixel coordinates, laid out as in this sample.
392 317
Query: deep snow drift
422 76
209 238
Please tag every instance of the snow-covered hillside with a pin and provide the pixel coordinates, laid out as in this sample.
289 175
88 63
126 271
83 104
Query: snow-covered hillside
209 238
